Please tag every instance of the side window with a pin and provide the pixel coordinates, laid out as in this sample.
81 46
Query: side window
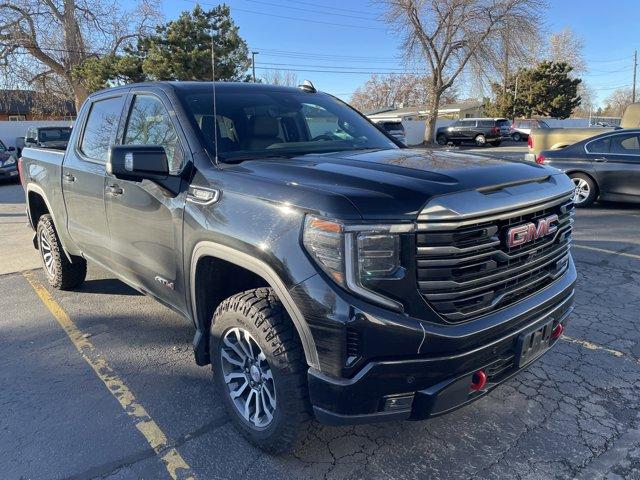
625 144
599 146
100 128
149 124
485 123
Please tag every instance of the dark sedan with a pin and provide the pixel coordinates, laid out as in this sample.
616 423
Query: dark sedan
605 167
8 163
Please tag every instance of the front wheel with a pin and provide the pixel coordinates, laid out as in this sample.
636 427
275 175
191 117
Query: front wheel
480 140
260 369
586 190
441 139
60 272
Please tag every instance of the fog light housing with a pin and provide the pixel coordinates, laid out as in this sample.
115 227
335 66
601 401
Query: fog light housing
398 403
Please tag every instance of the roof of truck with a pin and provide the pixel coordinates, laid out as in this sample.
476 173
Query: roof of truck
194 85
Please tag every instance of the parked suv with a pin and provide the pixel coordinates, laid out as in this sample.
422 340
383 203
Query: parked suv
328 271
478 130
521 128
47 137
395 129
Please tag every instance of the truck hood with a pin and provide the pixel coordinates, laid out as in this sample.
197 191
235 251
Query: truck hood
393 184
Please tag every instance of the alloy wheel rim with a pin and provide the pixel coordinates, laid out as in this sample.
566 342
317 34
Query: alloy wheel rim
248 377
582 190
47 254
480 140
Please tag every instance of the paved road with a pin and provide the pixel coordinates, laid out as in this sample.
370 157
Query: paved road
17 252
574 414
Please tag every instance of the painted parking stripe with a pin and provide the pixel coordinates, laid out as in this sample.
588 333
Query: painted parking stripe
173 461
604 250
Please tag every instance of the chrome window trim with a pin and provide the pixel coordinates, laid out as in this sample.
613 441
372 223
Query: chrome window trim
611 153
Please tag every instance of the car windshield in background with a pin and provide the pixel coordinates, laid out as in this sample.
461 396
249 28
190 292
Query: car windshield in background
280 123
54 134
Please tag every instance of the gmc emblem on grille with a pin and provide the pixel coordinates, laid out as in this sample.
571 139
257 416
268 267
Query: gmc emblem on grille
530 231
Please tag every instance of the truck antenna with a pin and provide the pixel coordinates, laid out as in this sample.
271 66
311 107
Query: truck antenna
215 116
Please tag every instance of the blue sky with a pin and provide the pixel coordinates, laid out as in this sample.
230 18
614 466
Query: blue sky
313 36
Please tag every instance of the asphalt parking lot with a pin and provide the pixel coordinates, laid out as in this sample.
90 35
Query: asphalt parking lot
89 377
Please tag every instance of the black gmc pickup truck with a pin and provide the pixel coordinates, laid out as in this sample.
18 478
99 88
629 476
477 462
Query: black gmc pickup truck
329 271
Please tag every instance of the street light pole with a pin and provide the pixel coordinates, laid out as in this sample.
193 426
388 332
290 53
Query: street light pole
253 64
635 67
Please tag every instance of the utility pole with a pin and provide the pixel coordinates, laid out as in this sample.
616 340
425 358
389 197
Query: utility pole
635 67
515 97
253 64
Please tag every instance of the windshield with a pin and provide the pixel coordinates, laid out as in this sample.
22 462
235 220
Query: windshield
277 123
54 134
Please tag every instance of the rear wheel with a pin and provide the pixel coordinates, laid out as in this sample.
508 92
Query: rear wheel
60 272
516 136
480 140
441 139
260 369
586 190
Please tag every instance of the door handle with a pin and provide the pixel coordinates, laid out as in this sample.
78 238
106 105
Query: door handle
69 178
113 190
600 160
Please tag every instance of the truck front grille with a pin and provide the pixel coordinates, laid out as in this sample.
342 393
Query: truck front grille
465 269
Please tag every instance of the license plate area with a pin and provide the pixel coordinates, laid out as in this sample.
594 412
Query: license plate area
533 343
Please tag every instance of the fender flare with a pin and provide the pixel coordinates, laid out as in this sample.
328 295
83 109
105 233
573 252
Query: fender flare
32 187
260 268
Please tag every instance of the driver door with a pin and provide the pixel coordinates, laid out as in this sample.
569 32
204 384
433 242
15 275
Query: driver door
145 220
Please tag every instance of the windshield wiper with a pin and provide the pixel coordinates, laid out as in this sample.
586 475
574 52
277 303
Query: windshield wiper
256 156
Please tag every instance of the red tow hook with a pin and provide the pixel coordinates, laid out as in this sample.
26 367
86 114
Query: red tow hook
557 332
478 380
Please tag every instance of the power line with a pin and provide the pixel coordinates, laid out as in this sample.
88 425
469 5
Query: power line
305 70
338 67
324 6
298 19
289 7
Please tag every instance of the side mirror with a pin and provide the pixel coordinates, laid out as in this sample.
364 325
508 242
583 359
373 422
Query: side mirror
30 140
11 149
138 162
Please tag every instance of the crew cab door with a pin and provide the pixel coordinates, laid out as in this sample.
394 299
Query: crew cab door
83 173
144 219
619 169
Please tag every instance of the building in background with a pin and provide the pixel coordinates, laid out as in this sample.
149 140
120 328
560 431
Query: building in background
453 111
27 105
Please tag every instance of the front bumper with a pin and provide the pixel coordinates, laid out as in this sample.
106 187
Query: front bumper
396 387
9 172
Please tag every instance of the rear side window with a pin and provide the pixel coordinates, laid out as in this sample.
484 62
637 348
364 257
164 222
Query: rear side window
625 144
100 128
503 123
149 124
485 123
599 146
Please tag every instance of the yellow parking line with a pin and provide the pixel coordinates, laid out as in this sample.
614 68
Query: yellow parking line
173 461
593 346
604 250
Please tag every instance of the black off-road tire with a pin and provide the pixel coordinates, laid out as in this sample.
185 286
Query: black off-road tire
261 313
62 274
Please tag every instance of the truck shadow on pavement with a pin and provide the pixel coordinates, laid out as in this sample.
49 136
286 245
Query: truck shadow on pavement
107 286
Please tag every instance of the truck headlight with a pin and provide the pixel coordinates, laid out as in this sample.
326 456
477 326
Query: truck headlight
355 256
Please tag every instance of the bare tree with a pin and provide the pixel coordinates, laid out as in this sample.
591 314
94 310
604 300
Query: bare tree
45 39
285 78
447 34
617 102
566 46
396 90
588 101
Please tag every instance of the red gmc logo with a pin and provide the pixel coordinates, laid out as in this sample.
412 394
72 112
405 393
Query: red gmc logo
530 231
